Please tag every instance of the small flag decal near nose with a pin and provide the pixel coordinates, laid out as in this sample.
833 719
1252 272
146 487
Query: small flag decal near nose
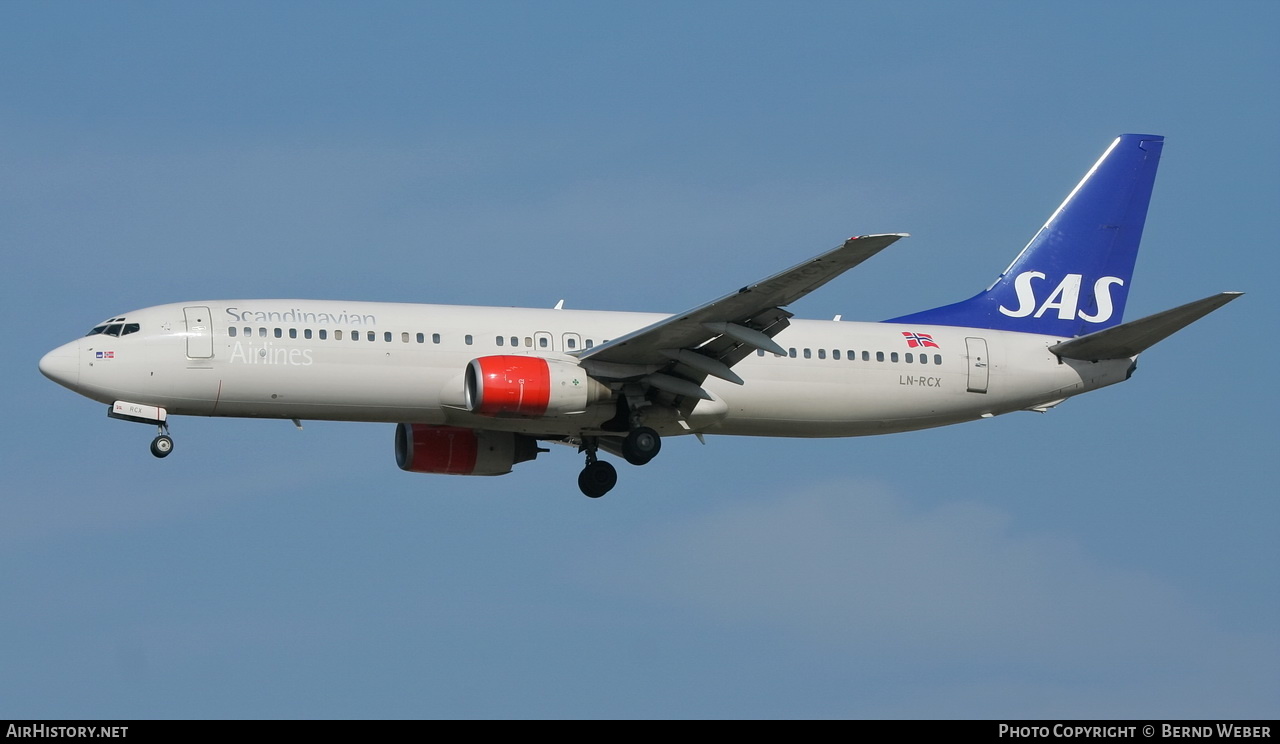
105 354
919 339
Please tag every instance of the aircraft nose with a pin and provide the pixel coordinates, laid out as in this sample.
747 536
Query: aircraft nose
62 365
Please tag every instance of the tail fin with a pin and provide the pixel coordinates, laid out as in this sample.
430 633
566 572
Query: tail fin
1074 276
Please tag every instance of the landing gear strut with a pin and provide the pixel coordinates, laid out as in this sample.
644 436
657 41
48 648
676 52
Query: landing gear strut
599 476
162 445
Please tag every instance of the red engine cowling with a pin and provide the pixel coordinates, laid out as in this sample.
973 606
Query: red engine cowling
452 450
529 386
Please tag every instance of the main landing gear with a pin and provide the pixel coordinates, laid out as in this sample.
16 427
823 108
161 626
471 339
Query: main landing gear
641 446
599 477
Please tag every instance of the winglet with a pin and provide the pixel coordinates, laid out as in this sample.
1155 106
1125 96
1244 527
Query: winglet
1132 338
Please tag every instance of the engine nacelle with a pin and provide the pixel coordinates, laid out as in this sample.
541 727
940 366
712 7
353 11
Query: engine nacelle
452 450
529 387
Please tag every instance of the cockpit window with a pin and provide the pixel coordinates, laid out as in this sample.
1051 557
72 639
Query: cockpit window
112 328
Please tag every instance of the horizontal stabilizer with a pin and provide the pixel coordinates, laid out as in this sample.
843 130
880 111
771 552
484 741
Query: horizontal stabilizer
1135 337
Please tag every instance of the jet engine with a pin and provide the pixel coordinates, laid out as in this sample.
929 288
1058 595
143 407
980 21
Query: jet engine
452 450
529 386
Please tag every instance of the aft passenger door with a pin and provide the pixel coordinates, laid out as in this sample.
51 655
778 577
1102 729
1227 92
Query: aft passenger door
979 364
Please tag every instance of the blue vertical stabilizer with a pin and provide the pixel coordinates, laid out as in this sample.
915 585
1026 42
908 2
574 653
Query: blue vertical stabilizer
1074 276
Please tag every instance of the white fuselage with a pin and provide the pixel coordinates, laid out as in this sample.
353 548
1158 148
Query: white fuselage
362 361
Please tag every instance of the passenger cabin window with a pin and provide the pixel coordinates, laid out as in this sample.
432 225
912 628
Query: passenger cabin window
387 337
421 338
499 340
937 359
467 339
231 331
435 338
323 334
337 335
515 341
879 356
404 337
293 333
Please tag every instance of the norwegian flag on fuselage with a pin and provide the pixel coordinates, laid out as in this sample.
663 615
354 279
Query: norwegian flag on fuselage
919 339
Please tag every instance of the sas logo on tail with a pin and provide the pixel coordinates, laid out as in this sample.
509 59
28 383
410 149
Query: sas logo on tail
1065 299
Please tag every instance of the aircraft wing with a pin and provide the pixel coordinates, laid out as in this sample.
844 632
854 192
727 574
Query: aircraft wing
710 338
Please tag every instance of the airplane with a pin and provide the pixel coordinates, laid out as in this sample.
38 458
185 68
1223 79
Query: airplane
477 390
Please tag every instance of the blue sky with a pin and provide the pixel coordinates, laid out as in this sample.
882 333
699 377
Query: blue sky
1115 557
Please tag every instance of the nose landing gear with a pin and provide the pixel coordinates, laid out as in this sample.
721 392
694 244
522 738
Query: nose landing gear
162 445
139 413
